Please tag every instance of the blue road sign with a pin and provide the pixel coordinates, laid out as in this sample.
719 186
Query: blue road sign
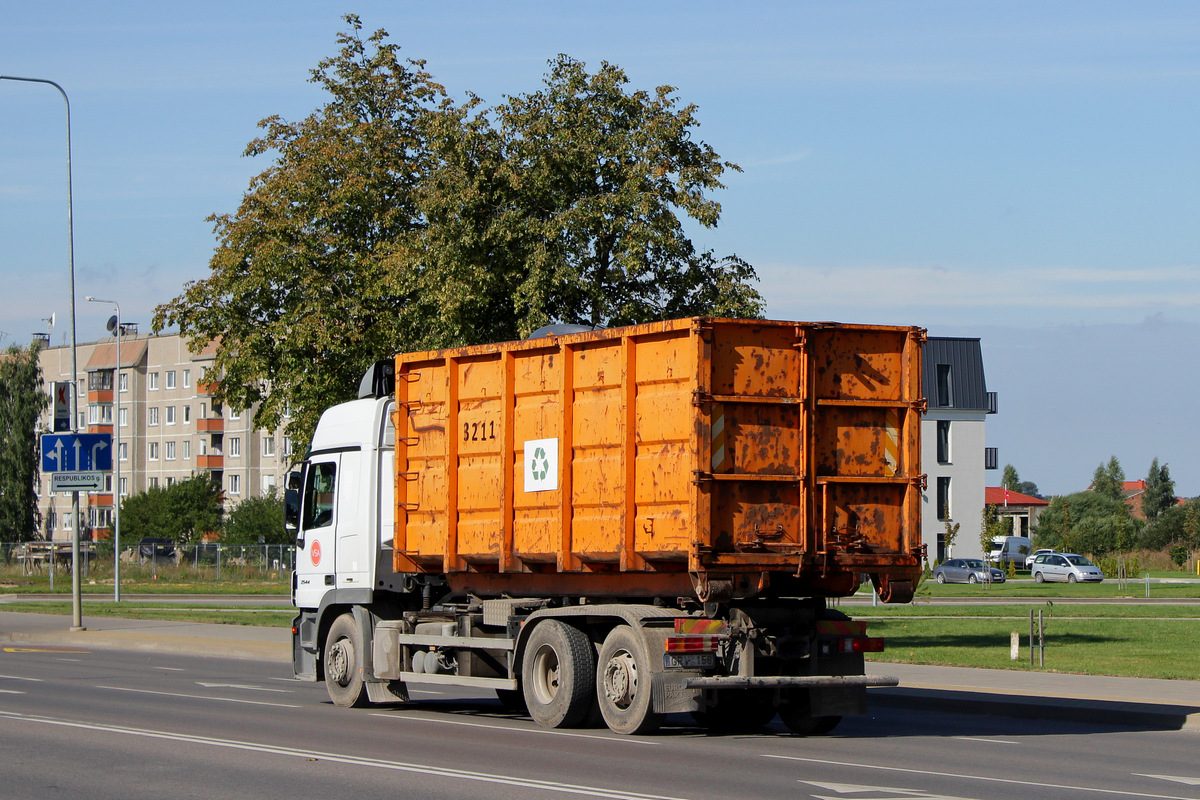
76 452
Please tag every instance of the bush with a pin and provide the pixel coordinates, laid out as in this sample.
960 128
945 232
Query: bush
1179 555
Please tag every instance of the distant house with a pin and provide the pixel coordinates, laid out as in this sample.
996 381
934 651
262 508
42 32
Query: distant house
1134 492
954 457
1022 509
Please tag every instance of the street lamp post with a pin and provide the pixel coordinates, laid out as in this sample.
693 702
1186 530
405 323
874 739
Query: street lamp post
117 452
76 607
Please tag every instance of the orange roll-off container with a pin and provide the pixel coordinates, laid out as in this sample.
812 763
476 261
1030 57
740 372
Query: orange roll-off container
709 457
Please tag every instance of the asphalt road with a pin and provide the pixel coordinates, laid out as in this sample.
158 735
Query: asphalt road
113 724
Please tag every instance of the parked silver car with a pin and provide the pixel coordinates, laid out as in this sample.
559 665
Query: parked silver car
1068 567
965 570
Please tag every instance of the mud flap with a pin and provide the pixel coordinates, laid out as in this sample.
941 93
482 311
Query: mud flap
669 694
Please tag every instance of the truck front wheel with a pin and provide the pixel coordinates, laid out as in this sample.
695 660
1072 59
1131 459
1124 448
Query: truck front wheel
343 664
558 675
623 683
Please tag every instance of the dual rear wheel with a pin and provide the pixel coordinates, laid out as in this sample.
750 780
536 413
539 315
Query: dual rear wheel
566 685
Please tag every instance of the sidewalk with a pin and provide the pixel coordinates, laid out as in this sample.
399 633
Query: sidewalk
1123 702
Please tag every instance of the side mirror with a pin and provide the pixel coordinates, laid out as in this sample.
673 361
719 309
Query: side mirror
291 506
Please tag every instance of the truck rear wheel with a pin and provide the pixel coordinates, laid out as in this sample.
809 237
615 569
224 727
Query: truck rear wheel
558 675
343 664
623 683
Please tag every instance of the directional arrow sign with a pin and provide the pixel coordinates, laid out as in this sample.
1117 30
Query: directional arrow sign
76 452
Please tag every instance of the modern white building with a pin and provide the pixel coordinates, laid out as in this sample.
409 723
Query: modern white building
171 426
954 454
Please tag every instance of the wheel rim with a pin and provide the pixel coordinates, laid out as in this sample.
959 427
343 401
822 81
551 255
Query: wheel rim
545 674
621 679
341 656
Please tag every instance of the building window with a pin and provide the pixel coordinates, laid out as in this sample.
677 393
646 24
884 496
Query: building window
123 451
943 441
170 451
187 379
170 379
100 414
268 484
234 414
235 484
203 447
152 415
268 447
287 446
123 382
170 481
152 381
187 450
170 415
124 417
154 483
235 447
945 388
943 499
124 487
154 451
187 414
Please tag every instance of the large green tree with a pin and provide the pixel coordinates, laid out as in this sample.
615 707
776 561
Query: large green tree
257 520
22 400
1011 480
184 511
393 218
1109 479
1160 490
1087 522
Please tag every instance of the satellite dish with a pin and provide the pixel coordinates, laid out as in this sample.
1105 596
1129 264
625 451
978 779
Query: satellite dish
112 325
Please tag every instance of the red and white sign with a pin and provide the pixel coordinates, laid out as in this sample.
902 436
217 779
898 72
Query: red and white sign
315 554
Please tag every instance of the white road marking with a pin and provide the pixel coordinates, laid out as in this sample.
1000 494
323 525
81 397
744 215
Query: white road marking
74 660
10 691
199 697
981 739
241 686
19 678
1176 778
316 755
895 794
1016 781
510 728
171 669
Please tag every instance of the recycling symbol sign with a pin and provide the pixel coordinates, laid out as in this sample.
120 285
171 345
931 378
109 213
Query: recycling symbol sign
541 465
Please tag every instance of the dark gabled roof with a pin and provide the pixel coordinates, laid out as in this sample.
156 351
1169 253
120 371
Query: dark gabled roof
965 360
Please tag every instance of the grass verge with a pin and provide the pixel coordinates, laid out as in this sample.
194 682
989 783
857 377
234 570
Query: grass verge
1129 647
270 617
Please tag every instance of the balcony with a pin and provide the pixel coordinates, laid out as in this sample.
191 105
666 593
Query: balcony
210 425
207 388
211 461
100 396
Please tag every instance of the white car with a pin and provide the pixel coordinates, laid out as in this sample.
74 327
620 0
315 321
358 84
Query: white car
1068 567
1033 556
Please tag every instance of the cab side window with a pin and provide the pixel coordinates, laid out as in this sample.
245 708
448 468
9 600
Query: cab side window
319 494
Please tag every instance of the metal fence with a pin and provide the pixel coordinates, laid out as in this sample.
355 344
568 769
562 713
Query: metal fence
33 558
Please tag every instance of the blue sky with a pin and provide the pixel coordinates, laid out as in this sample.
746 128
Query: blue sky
1024 172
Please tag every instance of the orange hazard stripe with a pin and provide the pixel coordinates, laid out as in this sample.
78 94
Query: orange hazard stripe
702 626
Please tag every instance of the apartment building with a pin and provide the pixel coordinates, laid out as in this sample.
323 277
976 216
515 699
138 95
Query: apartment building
155 395
954 455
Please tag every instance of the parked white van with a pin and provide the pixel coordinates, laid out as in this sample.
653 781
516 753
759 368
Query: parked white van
1014 549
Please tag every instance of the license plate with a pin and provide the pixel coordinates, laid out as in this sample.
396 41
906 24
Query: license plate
689 660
